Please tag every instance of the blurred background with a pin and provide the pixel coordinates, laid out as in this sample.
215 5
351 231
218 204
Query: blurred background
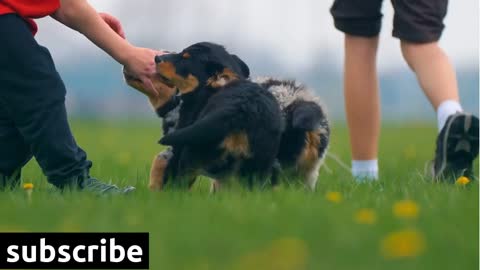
275 37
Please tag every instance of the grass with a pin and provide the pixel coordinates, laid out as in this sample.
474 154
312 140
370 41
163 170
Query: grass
284 229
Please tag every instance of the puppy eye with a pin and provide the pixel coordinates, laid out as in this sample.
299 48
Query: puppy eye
186 55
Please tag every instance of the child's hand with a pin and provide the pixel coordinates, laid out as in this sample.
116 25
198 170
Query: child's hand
113 22
107 33
140 63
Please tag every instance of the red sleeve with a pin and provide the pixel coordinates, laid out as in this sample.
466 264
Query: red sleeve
29 9
32 8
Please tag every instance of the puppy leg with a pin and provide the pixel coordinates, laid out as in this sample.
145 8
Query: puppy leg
312 175
157 171
310 161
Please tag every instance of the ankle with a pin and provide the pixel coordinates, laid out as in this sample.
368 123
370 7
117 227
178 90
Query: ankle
445 109
365 170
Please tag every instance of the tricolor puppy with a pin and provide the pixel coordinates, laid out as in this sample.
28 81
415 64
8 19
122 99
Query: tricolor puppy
307 132
305 139
227 126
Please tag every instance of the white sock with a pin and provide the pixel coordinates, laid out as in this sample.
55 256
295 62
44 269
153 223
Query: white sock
365 170
445 109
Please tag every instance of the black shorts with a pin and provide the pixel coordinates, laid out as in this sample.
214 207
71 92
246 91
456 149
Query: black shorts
418 21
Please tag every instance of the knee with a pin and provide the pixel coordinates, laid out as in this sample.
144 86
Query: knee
366 45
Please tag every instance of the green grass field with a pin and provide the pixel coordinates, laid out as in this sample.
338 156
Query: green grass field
436 228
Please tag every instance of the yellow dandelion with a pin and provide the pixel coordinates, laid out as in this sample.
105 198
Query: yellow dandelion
365 216
28 186
403 244
334 196
462 181
406 209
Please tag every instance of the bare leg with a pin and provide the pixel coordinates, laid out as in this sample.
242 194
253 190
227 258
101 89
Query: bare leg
362 101
457 143
434 71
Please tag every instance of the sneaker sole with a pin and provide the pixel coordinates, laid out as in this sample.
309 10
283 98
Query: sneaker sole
460 142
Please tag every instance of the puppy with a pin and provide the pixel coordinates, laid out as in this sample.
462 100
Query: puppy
304 142
306 137
228 126
307 131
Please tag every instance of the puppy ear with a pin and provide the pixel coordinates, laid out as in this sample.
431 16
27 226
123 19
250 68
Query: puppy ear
307 116
243 66
206 130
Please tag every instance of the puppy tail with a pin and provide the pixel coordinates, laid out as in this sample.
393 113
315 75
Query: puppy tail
206 130
307 116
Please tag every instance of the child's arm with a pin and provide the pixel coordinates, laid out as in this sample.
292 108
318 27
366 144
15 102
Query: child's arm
114 23
80 16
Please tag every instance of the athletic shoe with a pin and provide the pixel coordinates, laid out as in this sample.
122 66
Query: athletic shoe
457 148
98 187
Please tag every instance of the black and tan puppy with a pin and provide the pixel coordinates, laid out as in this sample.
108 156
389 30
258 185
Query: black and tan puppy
228 126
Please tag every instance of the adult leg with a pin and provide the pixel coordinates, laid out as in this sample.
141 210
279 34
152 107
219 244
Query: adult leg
435 75
419 25
433 69
362 103
457 143
360 20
